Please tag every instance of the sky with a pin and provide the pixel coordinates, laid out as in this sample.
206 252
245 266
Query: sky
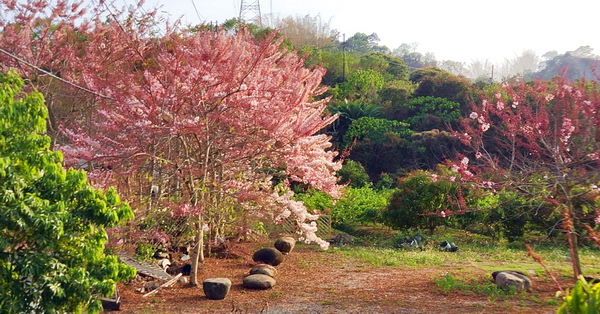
457 30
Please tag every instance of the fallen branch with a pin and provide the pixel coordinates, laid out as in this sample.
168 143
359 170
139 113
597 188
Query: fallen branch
166 284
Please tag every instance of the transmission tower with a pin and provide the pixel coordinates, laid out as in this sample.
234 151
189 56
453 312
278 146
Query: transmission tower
250 12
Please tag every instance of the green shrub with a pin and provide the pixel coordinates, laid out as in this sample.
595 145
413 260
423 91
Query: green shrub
584 298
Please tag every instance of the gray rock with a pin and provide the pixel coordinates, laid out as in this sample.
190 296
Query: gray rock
269 256
216 288
342 238
258 281
285 244
264 269
507 279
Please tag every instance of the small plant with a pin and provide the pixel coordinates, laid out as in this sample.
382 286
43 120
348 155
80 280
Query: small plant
584 298
276 294
144 252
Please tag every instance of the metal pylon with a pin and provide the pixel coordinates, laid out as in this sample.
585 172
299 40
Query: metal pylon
250 12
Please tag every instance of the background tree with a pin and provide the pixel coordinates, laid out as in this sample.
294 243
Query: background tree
424 201
52 223
362 43
442 84
305 30
540 139
428 112
199 117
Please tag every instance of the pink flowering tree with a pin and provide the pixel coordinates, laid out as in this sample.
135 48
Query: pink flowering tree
542 140
212 121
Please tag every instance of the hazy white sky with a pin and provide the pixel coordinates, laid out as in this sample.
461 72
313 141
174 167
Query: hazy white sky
459 30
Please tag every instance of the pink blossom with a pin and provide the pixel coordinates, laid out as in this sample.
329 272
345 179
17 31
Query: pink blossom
549 97
485 127
443 214
434 177
478 155
473 115
487 184
465 161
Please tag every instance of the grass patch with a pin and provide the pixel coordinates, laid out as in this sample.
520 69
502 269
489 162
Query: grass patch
449 283
378 247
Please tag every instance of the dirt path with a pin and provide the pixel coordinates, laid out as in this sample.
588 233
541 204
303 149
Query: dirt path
319 282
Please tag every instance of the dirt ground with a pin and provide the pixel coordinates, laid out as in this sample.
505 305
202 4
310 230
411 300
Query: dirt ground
312 281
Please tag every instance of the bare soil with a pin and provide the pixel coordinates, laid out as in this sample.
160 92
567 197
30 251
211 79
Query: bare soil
313 281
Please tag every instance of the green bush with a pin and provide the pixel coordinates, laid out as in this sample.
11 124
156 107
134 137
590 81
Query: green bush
362 205
584 298
425 201
52 222
354 174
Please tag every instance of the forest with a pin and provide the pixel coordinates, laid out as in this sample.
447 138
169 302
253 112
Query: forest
176 136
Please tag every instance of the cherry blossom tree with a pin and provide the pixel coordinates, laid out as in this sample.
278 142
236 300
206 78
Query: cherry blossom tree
211 119
541 139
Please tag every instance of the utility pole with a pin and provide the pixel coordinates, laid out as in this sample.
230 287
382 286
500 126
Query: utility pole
344 57
250 12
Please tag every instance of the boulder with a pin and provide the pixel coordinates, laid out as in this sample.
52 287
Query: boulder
341 238
507 279
258 281
269 256
447 246
285 244
264 269
216 288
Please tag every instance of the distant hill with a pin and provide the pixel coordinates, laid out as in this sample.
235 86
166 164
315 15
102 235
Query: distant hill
571 66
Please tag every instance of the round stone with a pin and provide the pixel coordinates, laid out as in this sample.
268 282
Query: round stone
216 288
258 281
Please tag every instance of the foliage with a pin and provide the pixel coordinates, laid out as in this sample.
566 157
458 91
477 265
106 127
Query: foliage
349 111
391 68
353 173
584 298
425 200
540 139
374 130
305 30
438 83
361 85
362 205
428 112
363 43
52 223
217 122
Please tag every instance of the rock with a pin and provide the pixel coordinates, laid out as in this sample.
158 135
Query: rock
258 281
164 263
269 256
507 279
264 269
216 288
285 244
342 238
447 246
183 280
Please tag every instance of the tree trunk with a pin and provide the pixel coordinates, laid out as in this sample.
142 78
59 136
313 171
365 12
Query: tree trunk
573 249
198 256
